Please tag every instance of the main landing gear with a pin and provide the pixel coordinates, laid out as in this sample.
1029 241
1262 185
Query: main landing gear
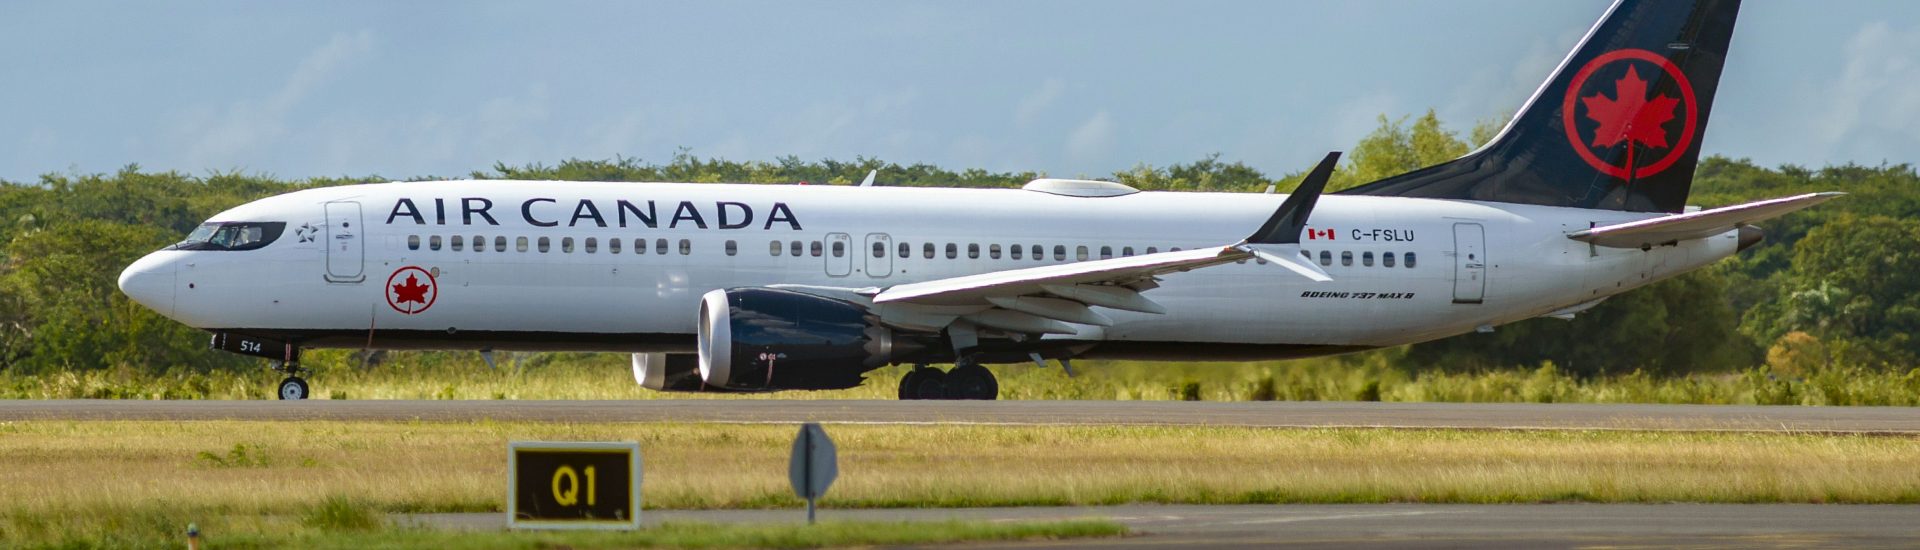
293 387
967 380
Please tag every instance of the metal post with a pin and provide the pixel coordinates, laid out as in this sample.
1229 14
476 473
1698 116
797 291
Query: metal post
808 462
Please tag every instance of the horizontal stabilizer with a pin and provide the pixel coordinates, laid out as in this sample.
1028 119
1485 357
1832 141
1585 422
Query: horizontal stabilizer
1695 225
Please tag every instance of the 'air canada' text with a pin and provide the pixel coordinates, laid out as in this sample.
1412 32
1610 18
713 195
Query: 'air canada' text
543 212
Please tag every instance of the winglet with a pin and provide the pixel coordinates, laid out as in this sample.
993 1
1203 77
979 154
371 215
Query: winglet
1287 222
869 181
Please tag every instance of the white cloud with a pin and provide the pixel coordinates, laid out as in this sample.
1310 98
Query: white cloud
225 137
1092 138
1871 111
1035 103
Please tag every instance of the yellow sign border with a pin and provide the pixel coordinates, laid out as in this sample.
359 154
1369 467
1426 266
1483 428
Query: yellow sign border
632 450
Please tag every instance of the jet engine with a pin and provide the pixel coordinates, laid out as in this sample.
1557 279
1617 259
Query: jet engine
772 339
667 371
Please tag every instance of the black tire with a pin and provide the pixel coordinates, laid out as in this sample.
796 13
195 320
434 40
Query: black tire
972 382
931 385
293 389
908 383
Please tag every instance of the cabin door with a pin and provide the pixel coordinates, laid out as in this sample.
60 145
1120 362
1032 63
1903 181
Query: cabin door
346 249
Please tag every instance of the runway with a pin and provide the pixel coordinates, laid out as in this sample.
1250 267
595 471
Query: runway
1862 420
1391 525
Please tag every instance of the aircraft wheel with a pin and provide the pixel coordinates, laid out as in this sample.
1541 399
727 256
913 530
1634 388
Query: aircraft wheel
910 384
932 384
293 389
972 382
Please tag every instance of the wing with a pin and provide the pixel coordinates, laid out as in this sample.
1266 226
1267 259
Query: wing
1048 299
1695 225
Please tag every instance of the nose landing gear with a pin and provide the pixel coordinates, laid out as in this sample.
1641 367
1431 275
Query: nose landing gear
293 387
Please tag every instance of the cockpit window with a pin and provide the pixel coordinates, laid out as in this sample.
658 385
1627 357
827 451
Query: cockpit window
232 236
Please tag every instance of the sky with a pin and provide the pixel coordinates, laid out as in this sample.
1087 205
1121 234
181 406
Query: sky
1069 88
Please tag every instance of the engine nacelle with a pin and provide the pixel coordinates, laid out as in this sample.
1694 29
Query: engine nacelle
667 371
771 339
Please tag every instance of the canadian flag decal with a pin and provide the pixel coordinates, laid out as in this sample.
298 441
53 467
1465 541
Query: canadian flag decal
1313 234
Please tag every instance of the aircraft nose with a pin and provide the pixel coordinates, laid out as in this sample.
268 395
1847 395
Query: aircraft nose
149 281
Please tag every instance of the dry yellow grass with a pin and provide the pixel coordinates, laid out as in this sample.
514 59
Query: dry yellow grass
268 468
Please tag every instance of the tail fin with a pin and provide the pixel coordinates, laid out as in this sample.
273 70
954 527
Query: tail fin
1617 127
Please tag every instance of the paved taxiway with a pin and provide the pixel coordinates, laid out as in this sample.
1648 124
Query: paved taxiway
1395 525
1874 420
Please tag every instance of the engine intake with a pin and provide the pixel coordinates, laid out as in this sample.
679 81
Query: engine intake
772 339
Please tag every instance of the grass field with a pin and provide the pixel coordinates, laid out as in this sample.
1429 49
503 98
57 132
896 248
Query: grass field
259 477
1353 378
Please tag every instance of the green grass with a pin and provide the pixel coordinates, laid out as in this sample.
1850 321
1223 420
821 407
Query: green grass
1354 378
168 531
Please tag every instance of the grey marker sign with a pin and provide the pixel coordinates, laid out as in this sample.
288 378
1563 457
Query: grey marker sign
813 467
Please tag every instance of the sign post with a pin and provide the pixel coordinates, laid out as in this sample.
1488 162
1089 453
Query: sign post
814 466
573 485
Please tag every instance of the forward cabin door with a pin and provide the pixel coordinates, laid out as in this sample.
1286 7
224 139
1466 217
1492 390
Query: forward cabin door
346 252
839 255
879 255
1469 263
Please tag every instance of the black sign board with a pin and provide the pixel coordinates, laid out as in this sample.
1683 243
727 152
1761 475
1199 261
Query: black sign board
573 485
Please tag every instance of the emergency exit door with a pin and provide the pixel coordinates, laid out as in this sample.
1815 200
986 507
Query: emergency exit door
839 255
346 252
1469 263
879 253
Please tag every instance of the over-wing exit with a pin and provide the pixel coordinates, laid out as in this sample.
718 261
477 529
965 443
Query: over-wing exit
747 288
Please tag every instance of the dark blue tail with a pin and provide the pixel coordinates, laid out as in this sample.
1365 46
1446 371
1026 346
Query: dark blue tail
1617 127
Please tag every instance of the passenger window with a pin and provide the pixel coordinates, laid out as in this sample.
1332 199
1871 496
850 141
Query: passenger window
1128 251
927 251
973 250
544 244
993 251
500 244
639 246
732 247
1346 258
1386 259
613 246
1060 252
433 243
1039 253
1152 250
590 245
1409 260
795 249
413 242
686 247
773 248
520 244
1106 252
660 246
458 243
953 251
1174 249
839 249
1080 253
479 243
906 250
566 245
1326 258
1014 251
815 248
879 249
1366 259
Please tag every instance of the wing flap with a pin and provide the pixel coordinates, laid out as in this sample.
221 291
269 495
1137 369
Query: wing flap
1696 225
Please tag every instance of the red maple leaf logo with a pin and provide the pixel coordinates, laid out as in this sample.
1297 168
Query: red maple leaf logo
410 291
1630 114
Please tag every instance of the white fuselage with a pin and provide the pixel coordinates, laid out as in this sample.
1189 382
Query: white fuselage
1456 265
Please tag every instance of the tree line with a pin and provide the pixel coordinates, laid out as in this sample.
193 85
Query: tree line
1835 285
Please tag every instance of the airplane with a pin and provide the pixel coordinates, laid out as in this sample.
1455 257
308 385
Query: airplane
755 288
